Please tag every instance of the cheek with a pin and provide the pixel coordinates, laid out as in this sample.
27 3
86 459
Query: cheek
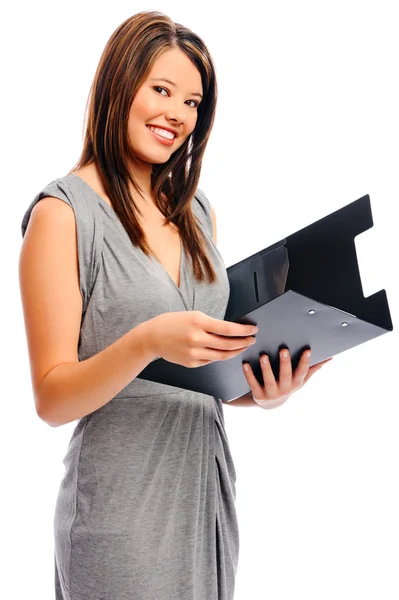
145 105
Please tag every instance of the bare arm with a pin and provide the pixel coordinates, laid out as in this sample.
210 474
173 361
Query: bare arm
71 391
66 389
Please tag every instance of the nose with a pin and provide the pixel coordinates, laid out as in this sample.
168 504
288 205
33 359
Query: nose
179 117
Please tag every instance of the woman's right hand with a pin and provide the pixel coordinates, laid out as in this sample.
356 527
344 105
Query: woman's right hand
193 339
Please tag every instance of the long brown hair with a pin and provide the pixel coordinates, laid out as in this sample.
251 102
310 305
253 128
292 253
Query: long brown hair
123 67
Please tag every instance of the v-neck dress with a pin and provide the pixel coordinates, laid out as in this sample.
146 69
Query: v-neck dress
146 506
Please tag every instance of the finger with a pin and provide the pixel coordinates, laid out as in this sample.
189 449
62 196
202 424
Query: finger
269 380
253 383
285 374
302 369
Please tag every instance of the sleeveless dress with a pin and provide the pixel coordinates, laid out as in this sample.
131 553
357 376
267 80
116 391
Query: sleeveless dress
146 506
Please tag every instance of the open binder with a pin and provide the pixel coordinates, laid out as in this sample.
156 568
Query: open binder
302 292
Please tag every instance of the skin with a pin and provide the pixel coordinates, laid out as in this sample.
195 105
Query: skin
174 107
273 394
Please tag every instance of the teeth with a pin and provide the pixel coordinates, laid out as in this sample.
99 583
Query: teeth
166 134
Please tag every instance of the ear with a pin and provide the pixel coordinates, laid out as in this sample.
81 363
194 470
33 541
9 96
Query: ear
213 215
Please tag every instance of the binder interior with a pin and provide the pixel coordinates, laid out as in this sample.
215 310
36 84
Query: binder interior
302 292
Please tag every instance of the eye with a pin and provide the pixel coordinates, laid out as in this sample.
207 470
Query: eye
157 87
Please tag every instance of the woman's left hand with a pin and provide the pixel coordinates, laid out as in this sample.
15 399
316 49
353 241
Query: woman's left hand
274 394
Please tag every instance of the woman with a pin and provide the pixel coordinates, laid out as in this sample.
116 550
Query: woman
119 266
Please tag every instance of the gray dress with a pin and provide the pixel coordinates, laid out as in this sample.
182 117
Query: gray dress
146 506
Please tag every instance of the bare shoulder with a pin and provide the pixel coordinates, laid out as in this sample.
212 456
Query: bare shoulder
50 289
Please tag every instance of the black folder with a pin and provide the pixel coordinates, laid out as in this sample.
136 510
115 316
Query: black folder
302 292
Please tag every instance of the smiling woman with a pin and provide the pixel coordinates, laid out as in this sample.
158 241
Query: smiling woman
146 507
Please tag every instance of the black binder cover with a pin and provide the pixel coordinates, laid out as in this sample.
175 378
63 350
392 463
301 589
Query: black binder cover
302 292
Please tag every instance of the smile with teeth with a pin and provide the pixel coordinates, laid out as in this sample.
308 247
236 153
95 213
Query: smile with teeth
162 132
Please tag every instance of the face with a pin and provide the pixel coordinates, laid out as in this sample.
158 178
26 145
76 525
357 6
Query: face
161 103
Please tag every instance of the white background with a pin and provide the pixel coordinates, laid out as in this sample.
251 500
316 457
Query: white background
307 122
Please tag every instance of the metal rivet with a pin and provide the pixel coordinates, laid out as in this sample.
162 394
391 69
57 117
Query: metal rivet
312 312
344 324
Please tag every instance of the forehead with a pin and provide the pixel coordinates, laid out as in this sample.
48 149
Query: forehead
174 64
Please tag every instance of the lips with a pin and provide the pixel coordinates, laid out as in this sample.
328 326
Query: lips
164 128
161 139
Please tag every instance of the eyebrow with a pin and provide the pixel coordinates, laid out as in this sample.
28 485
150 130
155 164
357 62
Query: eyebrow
171 83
